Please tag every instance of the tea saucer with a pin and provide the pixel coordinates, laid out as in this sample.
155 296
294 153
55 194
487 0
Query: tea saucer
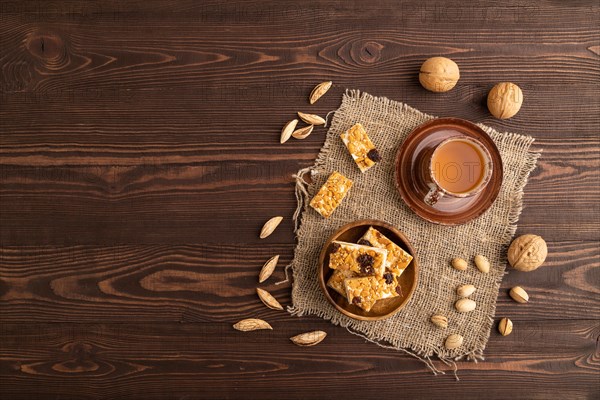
412 186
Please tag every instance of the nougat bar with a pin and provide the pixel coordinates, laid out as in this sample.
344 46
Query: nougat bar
363 260
397 259
365 291
361 147
337 278
331 194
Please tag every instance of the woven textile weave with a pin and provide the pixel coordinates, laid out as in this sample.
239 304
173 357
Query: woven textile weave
374 196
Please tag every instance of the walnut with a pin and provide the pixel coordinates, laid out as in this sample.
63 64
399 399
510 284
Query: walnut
439 74
527 252
504 100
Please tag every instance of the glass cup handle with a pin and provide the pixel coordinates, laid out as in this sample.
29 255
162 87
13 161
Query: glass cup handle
434 194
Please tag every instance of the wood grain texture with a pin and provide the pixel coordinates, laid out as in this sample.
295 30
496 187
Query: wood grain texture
217 282
222 201
139 158
213 360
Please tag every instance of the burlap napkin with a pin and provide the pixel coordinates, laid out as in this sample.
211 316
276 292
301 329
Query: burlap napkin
374 196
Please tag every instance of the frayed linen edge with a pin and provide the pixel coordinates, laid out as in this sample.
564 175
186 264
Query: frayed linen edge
516 207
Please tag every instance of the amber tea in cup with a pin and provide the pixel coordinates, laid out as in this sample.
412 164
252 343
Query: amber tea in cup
459 167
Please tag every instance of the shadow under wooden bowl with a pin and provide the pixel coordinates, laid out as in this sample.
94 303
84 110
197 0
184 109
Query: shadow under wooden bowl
384 308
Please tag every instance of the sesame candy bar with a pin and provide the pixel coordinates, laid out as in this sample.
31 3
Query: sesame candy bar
365 291
331 194
363 260
362 291
389 286
397 258
361 148
336 280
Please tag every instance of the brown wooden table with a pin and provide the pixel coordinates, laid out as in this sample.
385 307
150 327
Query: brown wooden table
139 158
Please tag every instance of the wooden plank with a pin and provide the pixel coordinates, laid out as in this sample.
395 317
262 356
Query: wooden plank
206 69
228 198
108 95
217 283
139 158
122 127
557 358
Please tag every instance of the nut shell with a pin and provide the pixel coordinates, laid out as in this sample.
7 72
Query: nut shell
482 263
286 132
311 119
459 264
519 294
319 91
453 341
270 226
268 268
252 324
268 300
440 321
465 290
303 133
505 100
465 305
527 252
439 74
309 338
505 326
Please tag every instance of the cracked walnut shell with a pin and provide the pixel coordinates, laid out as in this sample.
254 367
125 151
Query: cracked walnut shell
527 252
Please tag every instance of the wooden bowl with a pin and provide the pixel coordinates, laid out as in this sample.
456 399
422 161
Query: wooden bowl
384 308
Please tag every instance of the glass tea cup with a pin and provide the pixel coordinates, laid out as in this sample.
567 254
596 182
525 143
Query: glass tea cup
458 167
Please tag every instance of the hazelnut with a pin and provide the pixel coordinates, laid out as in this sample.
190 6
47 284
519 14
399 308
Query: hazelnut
527 252
504 100
439 74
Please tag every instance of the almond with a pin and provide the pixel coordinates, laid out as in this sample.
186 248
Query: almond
270 226
319 91
309 338
286 132
268 269
303 133
268 299
252 324
311 119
